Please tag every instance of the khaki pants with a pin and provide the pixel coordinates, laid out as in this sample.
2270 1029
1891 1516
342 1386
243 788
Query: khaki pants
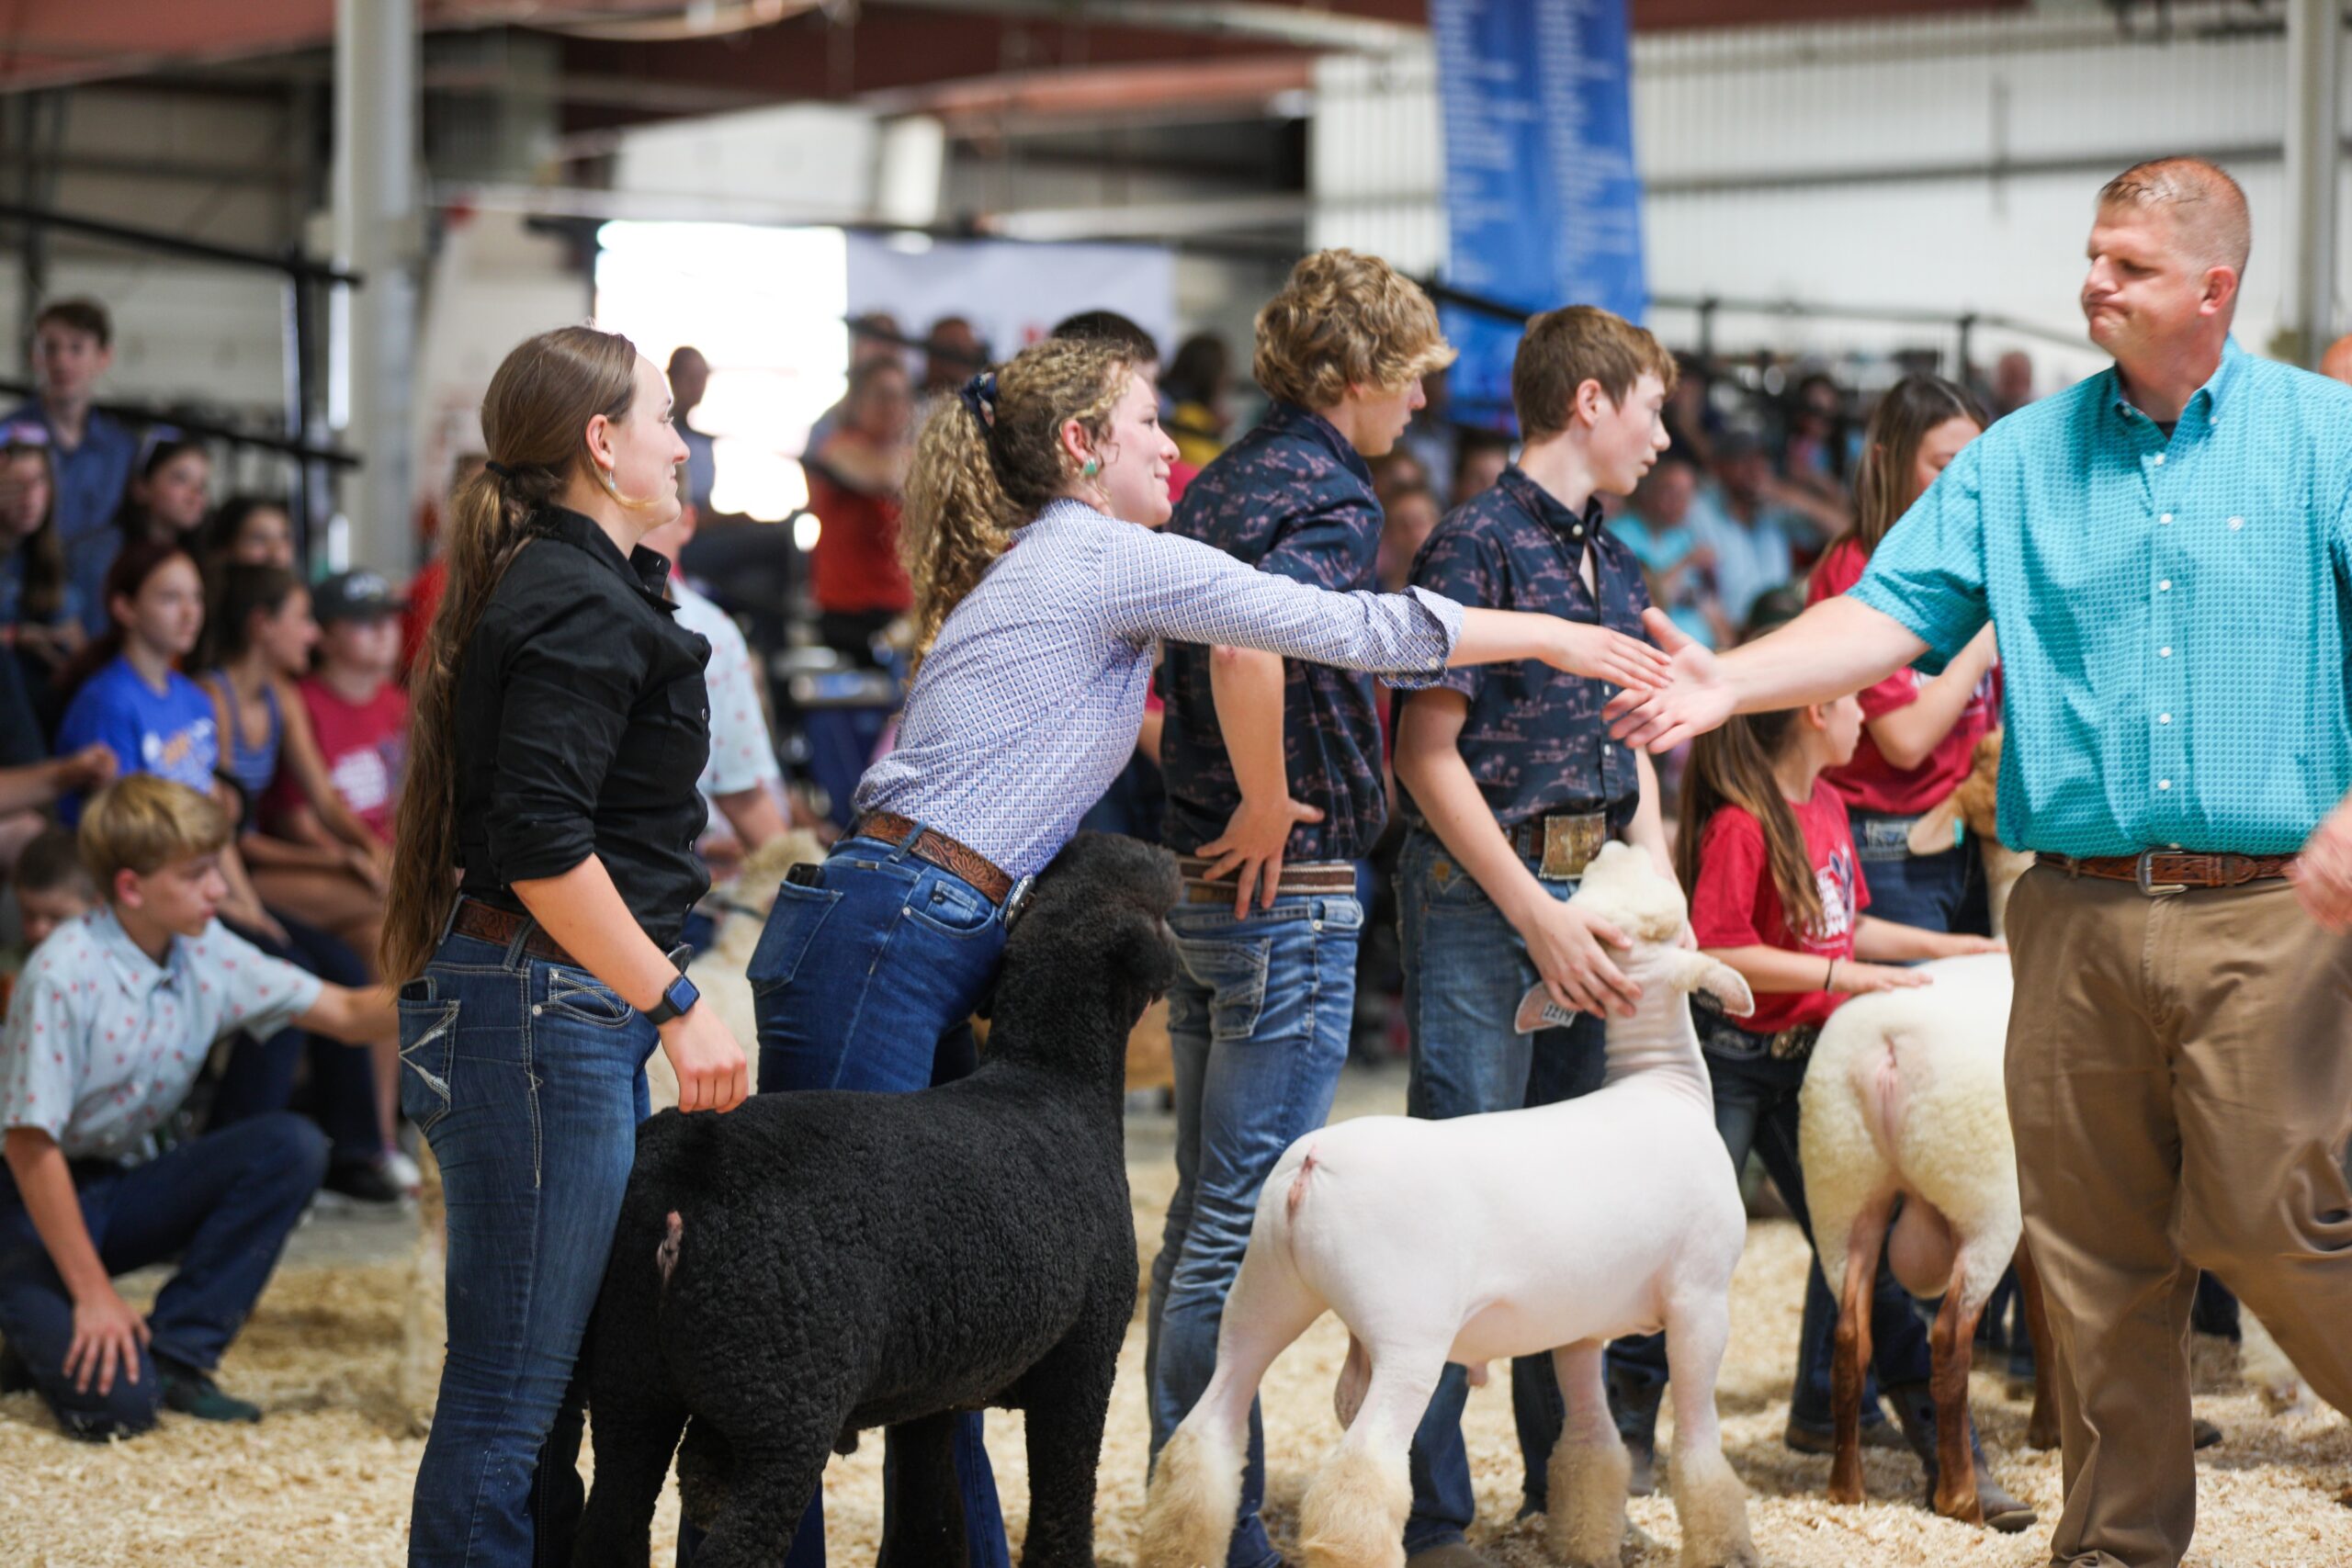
2180 1083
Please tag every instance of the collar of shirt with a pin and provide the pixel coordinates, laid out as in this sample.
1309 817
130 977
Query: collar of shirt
643 570
1290 419
134 972
1574 527
2204 405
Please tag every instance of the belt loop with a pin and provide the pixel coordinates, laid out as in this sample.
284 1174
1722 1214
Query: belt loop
514 943
449 921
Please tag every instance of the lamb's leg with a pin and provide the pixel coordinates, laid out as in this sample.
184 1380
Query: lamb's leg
633 1449
2042 1427
1708 1498
1195 1493
1952 1343
1852 1350
1067 1396
1354 1514
924 1523
1590 1466
768 1490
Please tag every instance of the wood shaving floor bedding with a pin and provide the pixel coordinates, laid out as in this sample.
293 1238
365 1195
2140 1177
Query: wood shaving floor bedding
324 1481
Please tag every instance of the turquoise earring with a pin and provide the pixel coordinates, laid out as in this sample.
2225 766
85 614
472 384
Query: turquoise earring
1093 466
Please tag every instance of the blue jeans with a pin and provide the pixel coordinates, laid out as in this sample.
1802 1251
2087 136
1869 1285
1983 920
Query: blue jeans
1756 1107
223 1205
259 1077
1937 893
1258 1025
1465 969
868 980
527 1078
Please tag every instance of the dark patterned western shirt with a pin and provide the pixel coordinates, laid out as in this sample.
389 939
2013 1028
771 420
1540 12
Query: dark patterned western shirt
1292 497
1534 739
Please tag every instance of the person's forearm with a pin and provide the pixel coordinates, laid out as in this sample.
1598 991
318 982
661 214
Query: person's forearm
1647 830
1429 762
1887 941
1838 645
1776 969
267 850
1246 685
46 1186
32 786
585 914
362 1017
753 812
1907 734
1495 636
244 902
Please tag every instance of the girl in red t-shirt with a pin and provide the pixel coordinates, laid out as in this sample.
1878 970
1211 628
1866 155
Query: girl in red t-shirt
1778 893
1919 732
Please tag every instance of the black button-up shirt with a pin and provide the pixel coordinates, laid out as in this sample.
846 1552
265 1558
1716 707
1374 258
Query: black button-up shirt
582 725
1294 498
1535 739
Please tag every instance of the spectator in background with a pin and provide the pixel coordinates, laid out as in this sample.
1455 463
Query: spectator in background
1430 437
51 884
952 351
249 530
26 793
2012 382
170 492
1817 453
73 346
1682 570
125 690
424 589
689 380
41 617
1748 535
1479 458
855 481
357 716
1409 516
1193 393
871 337
1398 473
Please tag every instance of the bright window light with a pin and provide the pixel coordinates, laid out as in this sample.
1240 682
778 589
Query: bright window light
765 306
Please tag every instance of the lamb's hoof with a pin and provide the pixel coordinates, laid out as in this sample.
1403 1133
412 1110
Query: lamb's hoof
2203 1434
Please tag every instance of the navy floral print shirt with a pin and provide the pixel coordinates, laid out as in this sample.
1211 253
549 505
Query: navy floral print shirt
1534 739
1292 497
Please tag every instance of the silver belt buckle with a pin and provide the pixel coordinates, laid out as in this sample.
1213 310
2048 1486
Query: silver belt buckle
2154 889
1018 900
1570 844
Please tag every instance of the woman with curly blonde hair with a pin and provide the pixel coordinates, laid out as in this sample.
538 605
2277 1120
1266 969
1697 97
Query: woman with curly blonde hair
1042 586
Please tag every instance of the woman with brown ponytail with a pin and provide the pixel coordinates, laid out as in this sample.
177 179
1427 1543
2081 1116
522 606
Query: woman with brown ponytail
546 868
1035 661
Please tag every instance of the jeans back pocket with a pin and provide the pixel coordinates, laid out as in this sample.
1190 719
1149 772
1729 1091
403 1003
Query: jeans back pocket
1232 969
429 1051
798 913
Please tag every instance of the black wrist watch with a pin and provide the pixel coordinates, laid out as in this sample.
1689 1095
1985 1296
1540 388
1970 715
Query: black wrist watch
676 999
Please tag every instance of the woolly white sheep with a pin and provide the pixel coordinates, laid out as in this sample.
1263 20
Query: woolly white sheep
1422 1236
1903 1098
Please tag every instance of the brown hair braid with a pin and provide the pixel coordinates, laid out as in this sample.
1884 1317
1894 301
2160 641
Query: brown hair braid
974 482
534 422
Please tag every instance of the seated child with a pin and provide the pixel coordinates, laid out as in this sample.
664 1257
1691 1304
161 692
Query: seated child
110 1021
52 886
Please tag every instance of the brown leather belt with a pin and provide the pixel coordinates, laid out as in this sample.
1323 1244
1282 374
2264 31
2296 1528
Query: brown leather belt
937 849
491 923
1561 843
1297 881
2156 872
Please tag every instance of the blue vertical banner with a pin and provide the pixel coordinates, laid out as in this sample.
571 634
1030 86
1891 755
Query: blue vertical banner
1543 202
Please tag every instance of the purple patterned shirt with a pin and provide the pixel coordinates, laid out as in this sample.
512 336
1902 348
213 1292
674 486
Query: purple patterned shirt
1027 706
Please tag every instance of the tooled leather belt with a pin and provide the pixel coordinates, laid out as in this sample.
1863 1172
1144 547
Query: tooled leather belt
1297 881
2173 871
936 848
491 923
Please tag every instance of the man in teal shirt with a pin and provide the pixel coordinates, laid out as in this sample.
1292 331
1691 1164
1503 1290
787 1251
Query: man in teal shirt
2165 553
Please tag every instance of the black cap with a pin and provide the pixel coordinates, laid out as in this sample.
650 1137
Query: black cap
355 596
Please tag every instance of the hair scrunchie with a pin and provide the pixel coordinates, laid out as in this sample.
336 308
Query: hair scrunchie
501 469
980 396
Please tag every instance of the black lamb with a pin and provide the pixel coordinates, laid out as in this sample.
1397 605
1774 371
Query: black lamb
811 1265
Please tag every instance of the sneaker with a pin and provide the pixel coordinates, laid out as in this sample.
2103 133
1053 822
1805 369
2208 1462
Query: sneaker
403 1173
193 1392
363 1181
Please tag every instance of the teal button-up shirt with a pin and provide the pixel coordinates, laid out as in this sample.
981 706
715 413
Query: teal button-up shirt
2171 613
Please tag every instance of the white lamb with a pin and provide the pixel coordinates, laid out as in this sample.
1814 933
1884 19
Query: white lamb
1551 1229
1904 1097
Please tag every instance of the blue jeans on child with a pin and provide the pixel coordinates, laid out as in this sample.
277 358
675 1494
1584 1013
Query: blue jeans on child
527 1078
1756 1109
1465 969
866 978
1938 893
223 1205
1258 1025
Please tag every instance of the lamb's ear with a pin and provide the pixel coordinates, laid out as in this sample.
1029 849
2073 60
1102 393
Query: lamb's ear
1697 972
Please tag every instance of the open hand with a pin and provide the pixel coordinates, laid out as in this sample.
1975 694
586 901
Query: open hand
1569 945
1599 654
91 768
106 1336
1250 848
1960 944
2323 872
1860 980
1694 697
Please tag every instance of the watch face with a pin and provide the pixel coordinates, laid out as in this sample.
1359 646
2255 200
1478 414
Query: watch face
682 994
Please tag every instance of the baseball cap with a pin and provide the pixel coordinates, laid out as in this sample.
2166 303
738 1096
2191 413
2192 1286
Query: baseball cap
355 596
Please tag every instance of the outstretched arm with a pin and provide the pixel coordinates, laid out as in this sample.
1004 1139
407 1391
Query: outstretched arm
1838 645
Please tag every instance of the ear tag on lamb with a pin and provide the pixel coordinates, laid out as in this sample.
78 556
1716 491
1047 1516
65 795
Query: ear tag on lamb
1538 1011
